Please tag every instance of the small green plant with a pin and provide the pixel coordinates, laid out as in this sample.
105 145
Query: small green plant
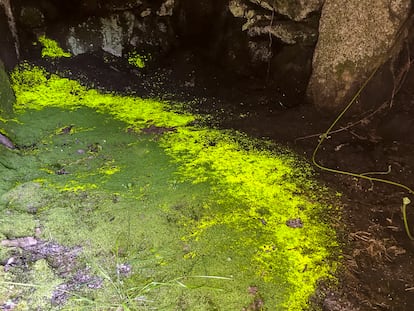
406 201
138 60
51 48
123 295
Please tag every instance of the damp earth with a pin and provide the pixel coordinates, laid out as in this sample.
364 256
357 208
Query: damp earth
73 176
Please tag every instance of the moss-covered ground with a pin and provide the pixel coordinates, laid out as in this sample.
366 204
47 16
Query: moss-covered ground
163 213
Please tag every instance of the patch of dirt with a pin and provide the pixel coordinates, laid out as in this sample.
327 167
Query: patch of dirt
63 260
378 257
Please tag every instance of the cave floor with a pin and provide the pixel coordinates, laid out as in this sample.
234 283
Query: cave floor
378 270
378 255
115 202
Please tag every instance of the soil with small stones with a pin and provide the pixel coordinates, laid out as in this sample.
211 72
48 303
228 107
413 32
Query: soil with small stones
62 259
378 256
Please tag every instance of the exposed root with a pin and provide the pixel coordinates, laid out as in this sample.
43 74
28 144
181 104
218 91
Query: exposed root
364 121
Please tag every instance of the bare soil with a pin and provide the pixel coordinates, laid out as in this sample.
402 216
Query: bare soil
378 256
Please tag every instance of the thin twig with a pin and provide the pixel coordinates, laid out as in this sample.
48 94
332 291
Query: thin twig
384 105
270 45
402 75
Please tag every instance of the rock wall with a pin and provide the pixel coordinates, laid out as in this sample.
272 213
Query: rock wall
272 40
9 42
355 37
289 21
85 26
281 36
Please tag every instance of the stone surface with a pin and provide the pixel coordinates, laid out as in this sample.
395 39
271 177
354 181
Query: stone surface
7 98
112 35
167 8
284 20
82 26
295 10
121 5
31 17
84 37
354 38
9 42
272 39
280 36
289 32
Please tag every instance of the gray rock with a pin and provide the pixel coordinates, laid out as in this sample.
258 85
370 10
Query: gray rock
266 21
114 32
166 8
296 10
84 37
354 38
5 141
288 31
294 223
110 33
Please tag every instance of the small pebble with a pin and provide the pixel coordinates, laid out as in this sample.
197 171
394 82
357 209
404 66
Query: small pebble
123 269
294 223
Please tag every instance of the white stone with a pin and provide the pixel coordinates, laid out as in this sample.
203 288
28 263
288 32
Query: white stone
74 44
112 38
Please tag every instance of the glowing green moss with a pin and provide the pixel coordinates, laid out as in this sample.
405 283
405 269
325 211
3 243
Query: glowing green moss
36 90
137 60
254 191
51 48
265 190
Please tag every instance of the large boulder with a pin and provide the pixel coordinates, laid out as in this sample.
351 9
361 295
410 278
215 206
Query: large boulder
355 37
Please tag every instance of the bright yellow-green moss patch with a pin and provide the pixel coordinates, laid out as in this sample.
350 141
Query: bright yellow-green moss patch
51 48
37 89
137 60
260 192
256 191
